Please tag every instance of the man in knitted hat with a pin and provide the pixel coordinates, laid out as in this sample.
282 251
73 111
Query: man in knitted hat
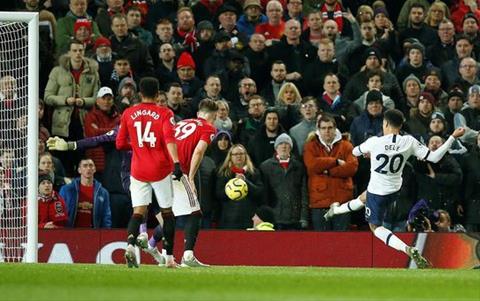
252 17
433 84
455 101
104 58
289 191
419 121
263 219
186 75
52 211
415 63
469 116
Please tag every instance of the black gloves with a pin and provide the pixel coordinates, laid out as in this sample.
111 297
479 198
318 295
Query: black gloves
177 171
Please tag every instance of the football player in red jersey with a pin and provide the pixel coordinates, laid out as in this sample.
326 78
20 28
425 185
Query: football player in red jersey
148 130
192 138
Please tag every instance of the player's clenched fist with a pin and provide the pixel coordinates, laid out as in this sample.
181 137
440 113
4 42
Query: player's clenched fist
458 132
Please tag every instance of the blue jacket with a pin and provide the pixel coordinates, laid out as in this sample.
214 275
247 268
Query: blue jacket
102 216
249 28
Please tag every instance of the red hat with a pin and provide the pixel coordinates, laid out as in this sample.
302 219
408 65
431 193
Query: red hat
82 22
185 60
102 41
427 96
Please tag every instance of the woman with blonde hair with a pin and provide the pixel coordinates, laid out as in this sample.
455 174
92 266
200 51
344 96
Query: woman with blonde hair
436 13
364 14
288 105
237 214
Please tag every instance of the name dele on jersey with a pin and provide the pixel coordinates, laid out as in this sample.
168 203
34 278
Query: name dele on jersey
139 113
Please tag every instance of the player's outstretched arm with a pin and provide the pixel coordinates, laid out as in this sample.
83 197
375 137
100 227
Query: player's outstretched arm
438 154
59 144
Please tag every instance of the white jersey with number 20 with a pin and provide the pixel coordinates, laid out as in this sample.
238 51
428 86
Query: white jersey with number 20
388 155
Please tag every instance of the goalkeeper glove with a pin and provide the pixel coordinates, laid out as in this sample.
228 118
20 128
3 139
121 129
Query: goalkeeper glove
177 171
59 144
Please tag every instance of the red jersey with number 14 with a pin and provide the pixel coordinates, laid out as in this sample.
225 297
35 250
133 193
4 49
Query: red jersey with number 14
147 129
188 133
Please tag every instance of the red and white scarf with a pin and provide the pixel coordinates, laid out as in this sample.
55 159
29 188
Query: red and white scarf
337 15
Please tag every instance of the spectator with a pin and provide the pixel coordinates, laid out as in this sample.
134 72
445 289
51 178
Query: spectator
237 214
104 16
468 70
127 45
227 18
223 121
444 48
219 147
237 68
165 70
334 104
251 18
278 74
412 88
444 222
206 10
469 116
263 219
330 167
470 29
163 34
437 12
134 23
217 61
52 211
261 146
313 32
285 186
104 59
88 203
126 94
375 82
82 31
417 27
438 183
419 119
463 49
64 31
71 90
257 56
250 124
101 119
186 76
247 88
454 105
288 105
293 51
121 69
469 208
211 90
308 124
205 36
184 36
177 103
415 63
274 27
324 63
46 165
43 133
433 85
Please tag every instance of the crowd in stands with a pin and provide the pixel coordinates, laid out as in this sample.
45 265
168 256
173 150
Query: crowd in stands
298 83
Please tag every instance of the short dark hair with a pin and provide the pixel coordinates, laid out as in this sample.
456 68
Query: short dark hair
174 85
207 106
417 5
75 41
326 118
373 73
149 87
394 117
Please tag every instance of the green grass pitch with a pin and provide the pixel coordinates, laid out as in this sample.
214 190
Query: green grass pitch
116 282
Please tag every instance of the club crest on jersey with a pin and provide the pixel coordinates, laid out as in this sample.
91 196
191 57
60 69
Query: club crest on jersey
58 207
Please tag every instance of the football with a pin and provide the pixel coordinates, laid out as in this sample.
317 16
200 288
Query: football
236 189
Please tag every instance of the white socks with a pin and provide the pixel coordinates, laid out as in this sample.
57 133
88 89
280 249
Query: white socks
188 254
349 206
390 239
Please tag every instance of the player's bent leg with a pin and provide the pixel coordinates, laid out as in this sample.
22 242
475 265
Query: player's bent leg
353 205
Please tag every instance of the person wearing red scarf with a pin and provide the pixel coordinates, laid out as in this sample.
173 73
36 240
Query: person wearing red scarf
332 9
285 186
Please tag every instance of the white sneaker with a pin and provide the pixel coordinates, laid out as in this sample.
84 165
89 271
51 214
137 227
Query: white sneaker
170 262
331 212
142 240
192 263
156 255
130 257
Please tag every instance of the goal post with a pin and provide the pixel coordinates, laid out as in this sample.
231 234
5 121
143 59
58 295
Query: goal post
19 60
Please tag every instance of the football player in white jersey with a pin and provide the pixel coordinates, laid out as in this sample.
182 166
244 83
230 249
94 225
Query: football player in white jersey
388 155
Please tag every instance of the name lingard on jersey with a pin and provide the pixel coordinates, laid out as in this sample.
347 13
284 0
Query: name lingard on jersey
139 113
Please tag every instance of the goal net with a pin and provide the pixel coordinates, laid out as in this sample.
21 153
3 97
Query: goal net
18 136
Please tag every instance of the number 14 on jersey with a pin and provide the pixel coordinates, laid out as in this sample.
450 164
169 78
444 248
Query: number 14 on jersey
146 136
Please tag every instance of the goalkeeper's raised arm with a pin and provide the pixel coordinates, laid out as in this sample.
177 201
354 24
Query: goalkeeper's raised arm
59 144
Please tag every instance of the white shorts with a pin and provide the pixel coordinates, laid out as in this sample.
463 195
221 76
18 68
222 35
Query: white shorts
185 200
142 192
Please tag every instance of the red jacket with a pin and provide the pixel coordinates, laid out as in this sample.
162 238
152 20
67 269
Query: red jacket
104 123
327 181
52 210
